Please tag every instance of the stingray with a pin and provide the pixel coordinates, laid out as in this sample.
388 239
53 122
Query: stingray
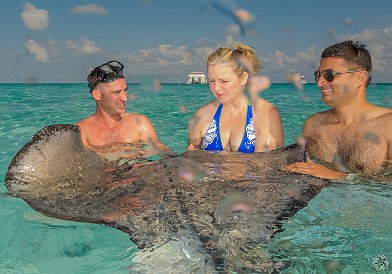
220 209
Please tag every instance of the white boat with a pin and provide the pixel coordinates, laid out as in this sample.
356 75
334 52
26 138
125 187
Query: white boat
303 80
196 77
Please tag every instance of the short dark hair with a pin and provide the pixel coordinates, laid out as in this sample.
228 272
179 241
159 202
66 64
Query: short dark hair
355 54
105 73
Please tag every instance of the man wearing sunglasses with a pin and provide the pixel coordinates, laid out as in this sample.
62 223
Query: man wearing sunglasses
353 136
111 124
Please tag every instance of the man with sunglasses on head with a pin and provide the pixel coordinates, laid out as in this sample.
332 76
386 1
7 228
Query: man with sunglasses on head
353 136
111 124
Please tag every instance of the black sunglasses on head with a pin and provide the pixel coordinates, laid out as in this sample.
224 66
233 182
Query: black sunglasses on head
329 74
107 73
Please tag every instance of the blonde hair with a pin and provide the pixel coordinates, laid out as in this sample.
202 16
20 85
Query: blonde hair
242 57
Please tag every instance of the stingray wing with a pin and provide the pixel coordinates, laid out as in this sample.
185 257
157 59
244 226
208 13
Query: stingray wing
232 202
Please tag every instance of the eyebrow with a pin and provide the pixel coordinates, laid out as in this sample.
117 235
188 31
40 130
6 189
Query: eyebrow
114 91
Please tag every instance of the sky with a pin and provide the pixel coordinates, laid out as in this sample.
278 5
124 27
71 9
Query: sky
46 41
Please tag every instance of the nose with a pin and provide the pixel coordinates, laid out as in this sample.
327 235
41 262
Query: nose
215 86
321 81
124 96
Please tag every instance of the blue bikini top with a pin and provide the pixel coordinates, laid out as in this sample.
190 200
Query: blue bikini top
212 140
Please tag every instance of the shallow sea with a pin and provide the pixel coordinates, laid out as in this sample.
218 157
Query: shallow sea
342 230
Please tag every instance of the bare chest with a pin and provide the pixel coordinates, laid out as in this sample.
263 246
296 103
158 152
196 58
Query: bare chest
106 135
359 148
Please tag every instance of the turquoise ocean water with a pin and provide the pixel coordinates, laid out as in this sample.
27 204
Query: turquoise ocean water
342 229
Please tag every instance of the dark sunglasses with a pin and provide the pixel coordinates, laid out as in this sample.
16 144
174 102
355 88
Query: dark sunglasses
107 73
329 75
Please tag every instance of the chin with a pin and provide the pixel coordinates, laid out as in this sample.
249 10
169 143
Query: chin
328 102
222 100
325 99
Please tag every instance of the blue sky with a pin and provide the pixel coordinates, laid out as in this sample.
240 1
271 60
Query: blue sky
61 41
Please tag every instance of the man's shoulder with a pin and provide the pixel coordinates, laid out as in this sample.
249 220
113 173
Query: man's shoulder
319 117
85 122
385 119
378 116
385 113
135 118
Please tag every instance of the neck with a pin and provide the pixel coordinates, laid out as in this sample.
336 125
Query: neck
107 119
352 113
238 103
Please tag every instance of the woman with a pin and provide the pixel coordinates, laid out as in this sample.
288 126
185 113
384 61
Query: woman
236 121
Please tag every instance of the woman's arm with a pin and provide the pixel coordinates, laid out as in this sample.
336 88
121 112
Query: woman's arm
268 129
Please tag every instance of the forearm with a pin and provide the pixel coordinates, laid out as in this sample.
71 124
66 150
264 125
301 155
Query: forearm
311 168
194 139
194 143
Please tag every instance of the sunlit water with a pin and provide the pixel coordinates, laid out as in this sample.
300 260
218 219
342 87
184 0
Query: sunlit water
341 230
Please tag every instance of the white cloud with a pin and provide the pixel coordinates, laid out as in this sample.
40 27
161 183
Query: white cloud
204 48
163 59
278 60
85 46
283 63
89 9
33 18
39 52
379 43
309 55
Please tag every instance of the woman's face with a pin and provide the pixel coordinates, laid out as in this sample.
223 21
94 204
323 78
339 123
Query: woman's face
225 84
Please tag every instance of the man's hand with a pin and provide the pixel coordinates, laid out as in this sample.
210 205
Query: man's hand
315 170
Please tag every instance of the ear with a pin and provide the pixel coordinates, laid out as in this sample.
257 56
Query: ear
363 76
244 78
96 94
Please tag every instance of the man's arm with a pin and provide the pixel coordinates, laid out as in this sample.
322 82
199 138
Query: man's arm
389 137
148 134
83 132
309 167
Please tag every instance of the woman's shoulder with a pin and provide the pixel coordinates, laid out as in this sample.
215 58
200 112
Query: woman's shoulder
265 113
262 105
207 108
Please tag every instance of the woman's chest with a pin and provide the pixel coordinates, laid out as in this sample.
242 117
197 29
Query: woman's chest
232 131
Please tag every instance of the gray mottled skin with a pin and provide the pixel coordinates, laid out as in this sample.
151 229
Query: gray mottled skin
239 203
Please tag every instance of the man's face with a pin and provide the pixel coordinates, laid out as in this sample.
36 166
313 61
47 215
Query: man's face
343 86
113 96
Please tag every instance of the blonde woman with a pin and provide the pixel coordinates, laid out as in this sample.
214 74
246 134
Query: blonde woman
237 120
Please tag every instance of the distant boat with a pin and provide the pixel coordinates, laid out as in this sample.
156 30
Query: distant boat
303 80
196 78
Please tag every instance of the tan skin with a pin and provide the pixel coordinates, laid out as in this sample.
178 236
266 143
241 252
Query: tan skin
354 135
229 89
111 123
